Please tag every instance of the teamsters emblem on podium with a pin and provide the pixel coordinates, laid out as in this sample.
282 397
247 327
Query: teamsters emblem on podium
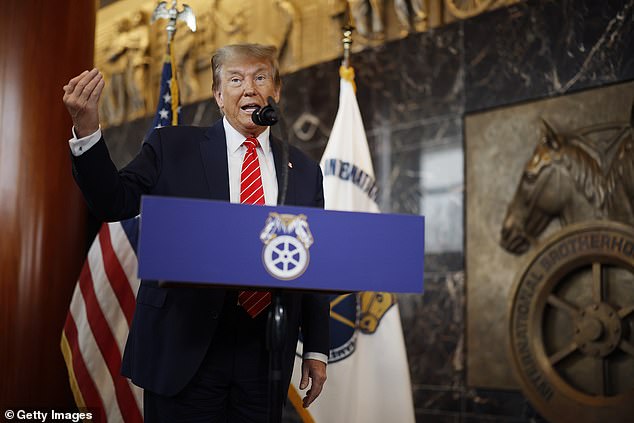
286 239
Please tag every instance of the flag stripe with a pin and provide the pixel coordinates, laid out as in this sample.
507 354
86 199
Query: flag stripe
122 245
95 363
119 240
108 347
85 383
106 298
116 275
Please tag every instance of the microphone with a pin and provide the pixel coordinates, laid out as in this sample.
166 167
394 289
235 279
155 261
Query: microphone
269 116
265 116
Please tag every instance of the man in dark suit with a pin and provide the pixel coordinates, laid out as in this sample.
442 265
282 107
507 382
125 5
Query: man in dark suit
197 352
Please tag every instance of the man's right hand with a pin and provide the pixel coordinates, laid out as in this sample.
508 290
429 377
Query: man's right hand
81 98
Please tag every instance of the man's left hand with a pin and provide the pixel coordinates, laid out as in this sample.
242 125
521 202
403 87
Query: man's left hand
314 370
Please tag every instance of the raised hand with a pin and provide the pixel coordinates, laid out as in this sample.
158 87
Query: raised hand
81 98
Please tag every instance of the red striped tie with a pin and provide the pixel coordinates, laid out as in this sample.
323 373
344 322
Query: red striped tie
252 192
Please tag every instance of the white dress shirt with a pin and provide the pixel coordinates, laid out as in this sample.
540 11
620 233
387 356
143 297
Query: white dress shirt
235 156
79 146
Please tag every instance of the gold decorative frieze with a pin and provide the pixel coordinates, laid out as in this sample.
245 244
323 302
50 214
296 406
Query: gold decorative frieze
130 51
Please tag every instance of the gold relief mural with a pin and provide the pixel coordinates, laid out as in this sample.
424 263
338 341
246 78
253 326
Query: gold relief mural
126 62
130 51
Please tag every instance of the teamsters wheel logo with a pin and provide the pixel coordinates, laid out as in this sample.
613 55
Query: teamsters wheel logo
571 326
286 239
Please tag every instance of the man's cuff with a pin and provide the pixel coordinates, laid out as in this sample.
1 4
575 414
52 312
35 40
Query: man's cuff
79 146
316 356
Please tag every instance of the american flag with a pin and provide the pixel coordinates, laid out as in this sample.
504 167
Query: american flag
103 302
168 108
97 326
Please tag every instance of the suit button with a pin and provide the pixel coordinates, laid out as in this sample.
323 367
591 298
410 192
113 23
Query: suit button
214 315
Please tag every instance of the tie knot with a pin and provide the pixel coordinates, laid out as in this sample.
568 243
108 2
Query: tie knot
251 143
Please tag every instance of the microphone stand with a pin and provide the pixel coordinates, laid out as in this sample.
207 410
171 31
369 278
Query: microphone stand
277 321
275 331
285 151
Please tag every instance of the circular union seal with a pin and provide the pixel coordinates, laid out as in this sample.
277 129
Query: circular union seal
285 257
572 324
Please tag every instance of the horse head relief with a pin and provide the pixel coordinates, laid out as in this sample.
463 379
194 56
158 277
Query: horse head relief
572 177
561 179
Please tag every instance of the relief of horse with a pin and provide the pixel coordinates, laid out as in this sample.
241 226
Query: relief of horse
571 178
561 180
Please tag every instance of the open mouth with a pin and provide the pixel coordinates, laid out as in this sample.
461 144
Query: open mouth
250 108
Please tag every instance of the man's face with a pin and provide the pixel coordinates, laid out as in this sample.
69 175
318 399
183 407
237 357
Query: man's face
245 84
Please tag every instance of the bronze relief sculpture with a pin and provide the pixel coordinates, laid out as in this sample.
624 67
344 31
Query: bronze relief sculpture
572 306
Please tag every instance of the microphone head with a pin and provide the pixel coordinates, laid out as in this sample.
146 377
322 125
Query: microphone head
264 116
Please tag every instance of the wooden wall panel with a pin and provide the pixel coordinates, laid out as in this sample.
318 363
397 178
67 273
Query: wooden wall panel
42 215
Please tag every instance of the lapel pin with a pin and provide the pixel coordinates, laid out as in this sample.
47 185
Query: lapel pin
290 165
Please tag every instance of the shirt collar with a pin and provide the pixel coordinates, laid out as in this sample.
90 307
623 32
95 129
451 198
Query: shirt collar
235 138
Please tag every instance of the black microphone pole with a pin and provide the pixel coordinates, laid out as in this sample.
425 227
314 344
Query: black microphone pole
268 116
277 317
285 150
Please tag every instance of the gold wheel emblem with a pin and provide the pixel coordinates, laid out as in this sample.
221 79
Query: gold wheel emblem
572 324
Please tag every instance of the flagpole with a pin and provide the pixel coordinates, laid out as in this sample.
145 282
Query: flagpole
171 30
172 15
345 70
347 29
170 105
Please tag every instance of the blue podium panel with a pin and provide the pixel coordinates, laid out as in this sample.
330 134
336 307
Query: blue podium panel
219 243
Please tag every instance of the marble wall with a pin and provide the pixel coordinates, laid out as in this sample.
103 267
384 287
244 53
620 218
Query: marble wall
414 95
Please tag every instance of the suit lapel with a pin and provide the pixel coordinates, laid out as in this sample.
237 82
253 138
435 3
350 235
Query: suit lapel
276 147
213 150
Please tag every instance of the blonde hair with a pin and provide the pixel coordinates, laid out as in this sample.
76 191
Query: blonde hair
256 51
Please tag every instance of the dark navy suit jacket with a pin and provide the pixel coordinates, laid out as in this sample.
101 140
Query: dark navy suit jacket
173 327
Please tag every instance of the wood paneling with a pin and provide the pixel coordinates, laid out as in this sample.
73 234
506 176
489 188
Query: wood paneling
42 215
